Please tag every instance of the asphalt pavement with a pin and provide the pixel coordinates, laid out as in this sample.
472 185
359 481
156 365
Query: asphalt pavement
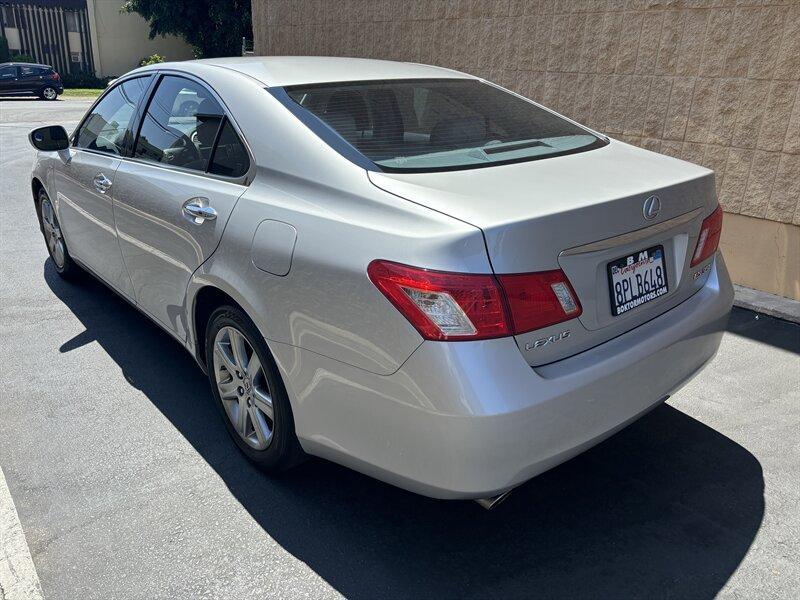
127 486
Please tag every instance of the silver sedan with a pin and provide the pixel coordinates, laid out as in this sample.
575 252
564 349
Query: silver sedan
405 269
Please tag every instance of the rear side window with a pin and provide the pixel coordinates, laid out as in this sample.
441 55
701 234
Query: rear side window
440 124
34 71
230 156
8 73
107 128
180 125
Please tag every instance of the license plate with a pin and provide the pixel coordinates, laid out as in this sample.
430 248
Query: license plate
637 279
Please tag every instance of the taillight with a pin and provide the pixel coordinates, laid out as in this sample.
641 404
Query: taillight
55 76
461 306
537 300
443 306
708 242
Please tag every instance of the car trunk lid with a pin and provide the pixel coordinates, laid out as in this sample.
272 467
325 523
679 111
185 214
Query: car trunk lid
576 213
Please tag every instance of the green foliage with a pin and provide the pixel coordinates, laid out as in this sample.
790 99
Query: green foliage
25 58
211 27
5 53
153 59
83 80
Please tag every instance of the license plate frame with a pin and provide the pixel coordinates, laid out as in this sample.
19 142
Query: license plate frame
646 286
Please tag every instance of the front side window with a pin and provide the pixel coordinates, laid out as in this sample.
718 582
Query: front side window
180 125
107 128
440 124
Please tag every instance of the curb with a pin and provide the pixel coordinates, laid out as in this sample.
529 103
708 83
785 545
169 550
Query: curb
18 577
767 304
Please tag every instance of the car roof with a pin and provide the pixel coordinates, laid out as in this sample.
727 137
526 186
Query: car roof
281 71
24 64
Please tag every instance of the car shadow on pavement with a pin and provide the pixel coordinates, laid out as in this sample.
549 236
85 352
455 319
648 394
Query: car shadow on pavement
667 507
765 329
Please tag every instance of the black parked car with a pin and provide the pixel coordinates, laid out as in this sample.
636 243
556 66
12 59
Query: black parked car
26 79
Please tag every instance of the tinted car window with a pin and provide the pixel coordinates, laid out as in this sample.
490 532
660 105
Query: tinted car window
230 156
107 129
8 73
34 71
430 125
180 125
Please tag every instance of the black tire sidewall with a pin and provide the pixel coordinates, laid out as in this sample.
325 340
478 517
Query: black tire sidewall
284 449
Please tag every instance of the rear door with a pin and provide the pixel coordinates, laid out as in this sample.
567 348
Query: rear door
84 183
174 195
30 79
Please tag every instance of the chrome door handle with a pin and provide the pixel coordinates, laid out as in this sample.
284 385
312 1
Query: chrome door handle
101 183
198 209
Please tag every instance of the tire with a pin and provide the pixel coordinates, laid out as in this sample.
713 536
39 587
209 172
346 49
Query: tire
54 239
48 93
245 385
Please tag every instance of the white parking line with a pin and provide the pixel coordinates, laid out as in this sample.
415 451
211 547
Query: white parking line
18 578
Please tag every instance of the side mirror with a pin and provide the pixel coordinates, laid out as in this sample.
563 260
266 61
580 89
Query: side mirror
49 139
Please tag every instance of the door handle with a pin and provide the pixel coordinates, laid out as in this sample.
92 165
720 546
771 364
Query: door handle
101 183
198 209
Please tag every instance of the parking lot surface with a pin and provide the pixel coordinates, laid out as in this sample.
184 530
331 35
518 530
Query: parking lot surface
127 485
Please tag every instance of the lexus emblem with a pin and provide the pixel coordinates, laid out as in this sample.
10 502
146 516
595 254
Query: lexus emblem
651 208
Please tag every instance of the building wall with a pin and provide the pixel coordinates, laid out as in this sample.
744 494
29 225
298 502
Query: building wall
711 81
54 32
121 40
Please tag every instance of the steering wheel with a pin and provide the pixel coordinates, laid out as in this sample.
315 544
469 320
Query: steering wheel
182 150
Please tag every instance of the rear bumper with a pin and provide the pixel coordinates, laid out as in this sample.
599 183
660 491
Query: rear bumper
472 419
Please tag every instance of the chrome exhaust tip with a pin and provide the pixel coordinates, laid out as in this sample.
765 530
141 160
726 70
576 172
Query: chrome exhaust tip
490 503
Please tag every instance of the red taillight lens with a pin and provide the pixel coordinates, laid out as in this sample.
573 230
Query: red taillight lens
55 76
708 242
460 306
443 306
537 300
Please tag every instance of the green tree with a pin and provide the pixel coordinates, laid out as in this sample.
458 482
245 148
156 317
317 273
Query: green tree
153 59
211 27
5 54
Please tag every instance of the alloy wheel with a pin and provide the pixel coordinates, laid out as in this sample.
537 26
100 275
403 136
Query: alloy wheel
243 388
52 234
49 93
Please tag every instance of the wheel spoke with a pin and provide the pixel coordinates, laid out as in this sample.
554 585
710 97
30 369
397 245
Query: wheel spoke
260 428
227 389
238 349
263 402
241 419
58 253
254 366
219 351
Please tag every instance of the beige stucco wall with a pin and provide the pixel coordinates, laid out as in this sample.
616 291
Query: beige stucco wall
763 254
711 81
120 40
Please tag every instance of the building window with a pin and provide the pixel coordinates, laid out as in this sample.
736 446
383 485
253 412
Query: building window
7 17
72 20
76 57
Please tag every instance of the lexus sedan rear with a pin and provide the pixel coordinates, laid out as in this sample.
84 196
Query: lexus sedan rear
401 268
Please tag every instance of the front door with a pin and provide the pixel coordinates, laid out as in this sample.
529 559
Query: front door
170 205
9 80
84 186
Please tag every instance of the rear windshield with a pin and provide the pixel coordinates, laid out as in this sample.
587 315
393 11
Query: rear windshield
440 124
